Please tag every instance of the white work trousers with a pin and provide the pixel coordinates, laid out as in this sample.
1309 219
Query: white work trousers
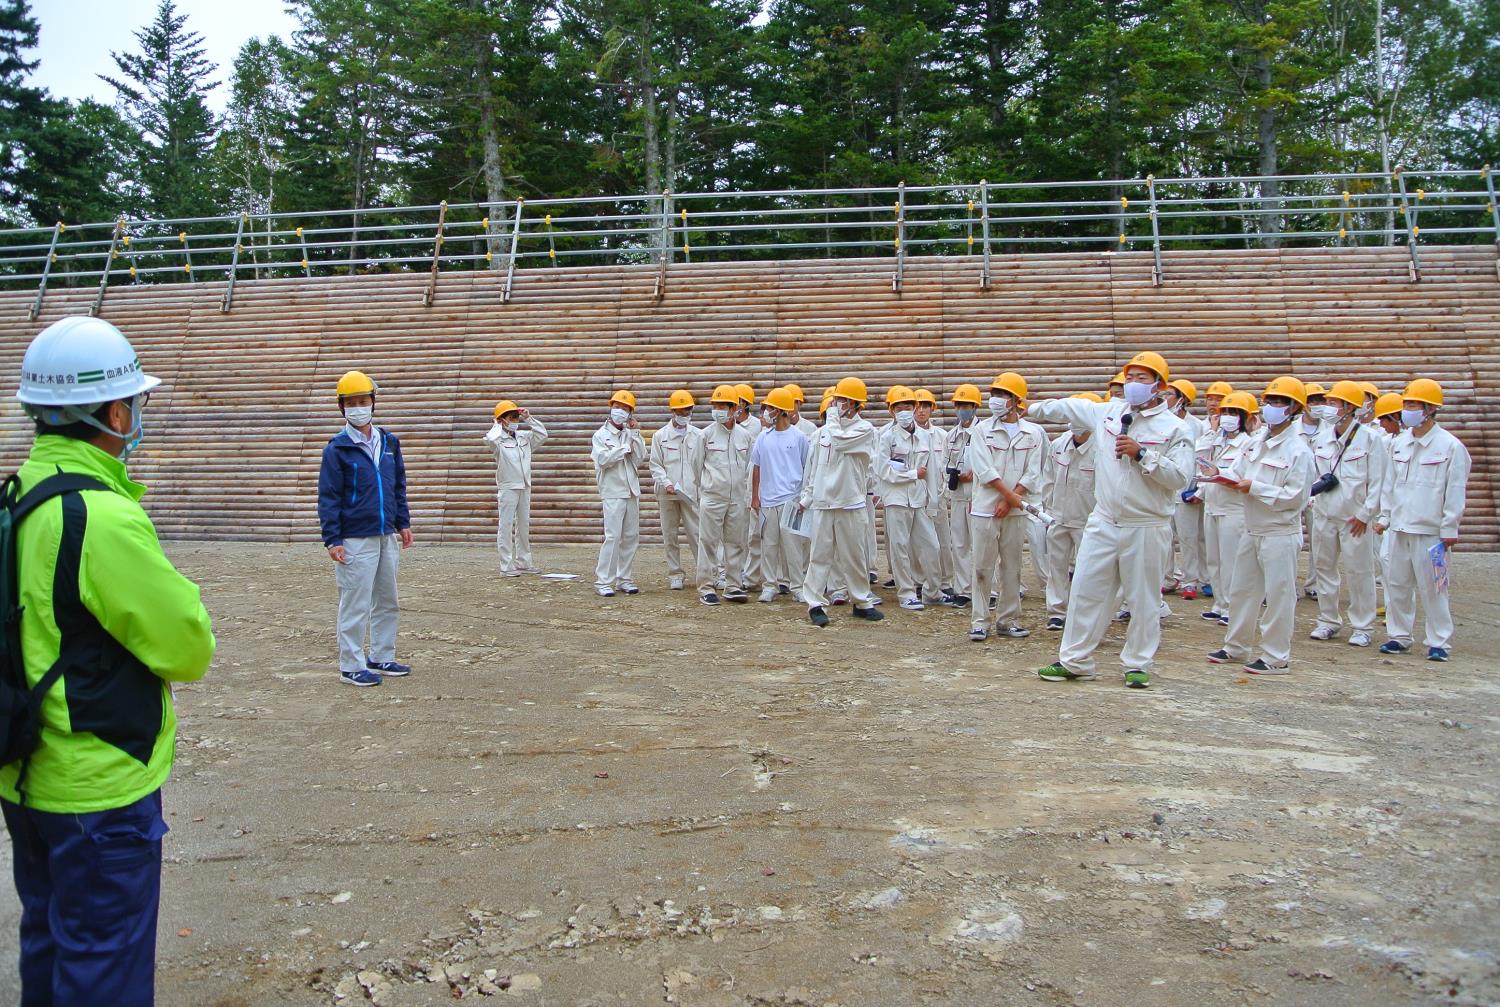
1187 522
1115 561
961 538
513 535
1265 568
1334 546
839 555
677 514
1062 546
1229 529
912 544
1036 544
943 533
783 555
622 536
1411 578
723 527
996 541
368 602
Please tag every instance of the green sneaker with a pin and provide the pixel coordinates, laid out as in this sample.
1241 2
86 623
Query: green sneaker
1137 679
1061 673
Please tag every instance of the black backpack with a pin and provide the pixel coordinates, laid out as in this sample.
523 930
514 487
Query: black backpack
20 706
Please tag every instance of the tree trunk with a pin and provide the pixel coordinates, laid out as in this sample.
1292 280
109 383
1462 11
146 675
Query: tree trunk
670 155
650 126
489 136
995 12
1265 128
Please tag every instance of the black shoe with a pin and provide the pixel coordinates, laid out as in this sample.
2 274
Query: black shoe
874 580
1220 656
783 589
1209 615
871 614
818 616
1055 623
961 601
709 599
888 584
738 597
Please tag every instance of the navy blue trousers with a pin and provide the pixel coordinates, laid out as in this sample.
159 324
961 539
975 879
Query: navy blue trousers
89 887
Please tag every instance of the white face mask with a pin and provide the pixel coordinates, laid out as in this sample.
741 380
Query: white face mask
1275 415
1138 393
681 421
1229 423
721 416
907 419
1326 414
619 416
359 416
999 405
1413 417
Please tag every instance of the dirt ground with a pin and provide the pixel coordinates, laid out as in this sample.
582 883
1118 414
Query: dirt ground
639 800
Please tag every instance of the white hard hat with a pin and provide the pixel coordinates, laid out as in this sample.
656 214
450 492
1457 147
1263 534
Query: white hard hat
79 361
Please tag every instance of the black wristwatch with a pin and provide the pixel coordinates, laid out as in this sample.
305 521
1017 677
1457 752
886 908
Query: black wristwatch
1140 453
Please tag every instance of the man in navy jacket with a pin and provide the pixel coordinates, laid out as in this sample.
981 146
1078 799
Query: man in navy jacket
362 508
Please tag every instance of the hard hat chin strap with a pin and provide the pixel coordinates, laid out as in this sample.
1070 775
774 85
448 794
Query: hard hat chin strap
85 414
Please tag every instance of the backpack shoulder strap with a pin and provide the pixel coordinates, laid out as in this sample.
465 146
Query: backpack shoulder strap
52 486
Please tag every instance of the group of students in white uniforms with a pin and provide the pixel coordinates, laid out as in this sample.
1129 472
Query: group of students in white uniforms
1135 498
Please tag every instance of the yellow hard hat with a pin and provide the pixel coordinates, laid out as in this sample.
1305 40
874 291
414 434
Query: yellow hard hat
1387 405
780 398
1348 391
899 393
623 397
823 406
1219 388
355 383
1150 360
1424 390
1187 388
681 399
1287 387
1011 382
852 388
796 391
1091 396
505 406
925 395
746 394
967 393
727 395
1370 388
828 392
1314 389
1243 401
1118 379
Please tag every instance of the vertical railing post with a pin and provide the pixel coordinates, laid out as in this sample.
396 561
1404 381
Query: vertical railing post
302 242
187 255
437 253
664 242
1489 185
551 241
687 245
1156 273
1414 268
984 227
1344 219
234 264
515 240
41 287
900 235
130 257
109 261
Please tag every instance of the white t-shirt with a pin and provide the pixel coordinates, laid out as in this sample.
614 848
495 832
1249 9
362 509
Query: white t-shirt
781 456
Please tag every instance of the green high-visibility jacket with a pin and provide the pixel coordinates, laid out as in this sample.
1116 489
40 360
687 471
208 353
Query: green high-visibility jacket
99 594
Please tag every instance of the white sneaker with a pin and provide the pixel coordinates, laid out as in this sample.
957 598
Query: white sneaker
1164 611
1123 615
1359 640
1323 633
605 591
912 604
768 594
676 583
839 598
628 586
1013 631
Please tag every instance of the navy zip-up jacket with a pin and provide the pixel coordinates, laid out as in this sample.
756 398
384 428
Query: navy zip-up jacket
357 499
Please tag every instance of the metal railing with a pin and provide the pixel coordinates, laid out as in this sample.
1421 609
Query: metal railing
984 219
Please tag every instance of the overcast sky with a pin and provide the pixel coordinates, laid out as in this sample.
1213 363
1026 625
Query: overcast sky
77 36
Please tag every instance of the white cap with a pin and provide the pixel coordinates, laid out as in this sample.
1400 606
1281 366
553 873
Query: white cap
80 361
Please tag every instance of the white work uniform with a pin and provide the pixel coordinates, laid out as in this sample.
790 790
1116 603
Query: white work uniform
513 487
1016 461
903 477
755 569
1127 535
1070 500
780 456
1310 432
1280 470
836 489
720 459
1358 459
616 451
1036 532
1223 517
808 427
937 516
1421 503
1187 527
956 501
679 508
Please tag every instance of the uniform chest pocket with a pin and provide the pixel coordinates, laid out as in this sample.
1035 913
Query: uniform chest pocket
671 449
1433 471
1274 471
